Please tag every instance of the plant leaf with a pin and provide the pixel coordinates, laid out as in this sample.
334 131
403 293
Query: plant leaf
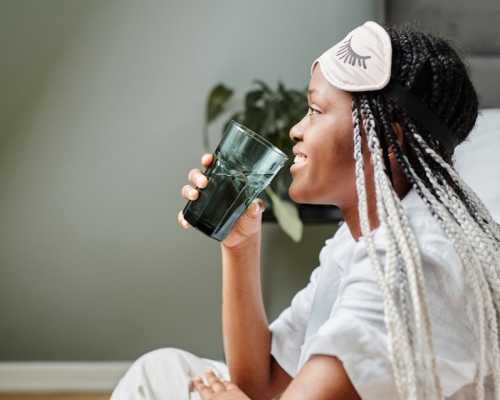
287 216
254 99
216 101
263 85
282 90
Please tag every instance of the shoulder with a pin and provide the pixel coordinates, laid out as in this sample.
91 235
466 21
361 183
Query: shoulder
439 258
338 247
433 242
431 239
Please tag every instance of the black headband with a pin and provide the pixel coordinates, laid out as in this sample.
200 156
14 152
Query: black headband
420 113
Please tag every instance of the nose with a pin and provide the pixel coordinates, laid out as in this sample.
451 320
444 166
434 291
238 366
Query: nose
296 132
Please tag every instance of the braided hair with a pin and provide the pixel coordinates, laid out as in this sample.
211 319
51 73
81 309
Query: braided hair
433 71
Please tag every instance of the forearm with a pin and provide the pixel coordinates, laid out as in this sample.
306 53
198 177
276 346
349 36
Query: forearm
247 338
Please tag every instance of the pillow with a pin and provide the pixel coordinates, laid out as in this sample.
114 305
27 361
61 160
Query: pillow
477 159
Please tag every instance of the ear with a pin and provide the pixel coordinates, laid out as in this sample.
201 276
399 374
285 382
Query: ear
400 137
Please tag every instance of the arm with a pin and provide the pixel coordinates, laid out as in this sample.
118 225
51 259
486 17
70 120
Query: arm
321 378
247 339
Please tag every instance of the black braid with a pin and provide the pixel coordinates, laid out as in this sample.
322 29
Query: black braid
434 72
387 131
436 75
383 141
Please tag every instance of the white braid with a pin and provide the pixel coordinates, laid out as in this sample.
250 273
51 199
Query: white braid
476 248
400 356
397 223
452 229
482 212
476 239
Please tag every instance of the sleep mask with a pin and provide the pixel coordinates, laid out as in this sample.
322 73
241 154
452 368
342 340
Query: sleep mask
362 62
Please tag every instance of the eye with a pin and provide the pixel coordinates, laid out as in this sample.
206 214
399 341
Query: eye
311 110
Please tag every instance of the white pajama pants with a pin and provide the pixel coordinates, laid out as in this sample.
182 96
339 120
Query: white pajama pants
165 374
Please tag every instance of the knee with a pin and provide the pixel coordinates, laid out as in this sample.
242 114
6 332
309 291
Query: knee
165 355
148 373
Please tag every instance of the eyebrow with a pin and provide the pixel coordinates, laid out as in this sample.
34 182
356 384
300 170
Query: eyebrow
311 91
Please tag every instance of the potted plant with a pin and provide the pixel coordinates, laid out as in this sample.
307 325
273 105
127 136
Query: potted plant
271 113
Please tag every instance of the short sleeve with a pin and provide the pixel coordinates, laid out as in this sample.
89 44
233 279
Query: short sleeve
355 332
288 330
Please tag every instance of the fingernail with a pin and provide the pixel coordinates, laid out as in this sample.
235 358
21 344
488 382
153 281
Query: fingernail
255 208
200 181
262 204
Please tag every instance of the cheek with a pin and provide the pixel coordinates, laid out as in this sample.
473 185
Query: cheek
332 166
329 174
333 156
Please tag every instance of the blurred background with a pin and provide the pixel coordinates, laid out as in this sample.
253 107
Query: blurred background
101 114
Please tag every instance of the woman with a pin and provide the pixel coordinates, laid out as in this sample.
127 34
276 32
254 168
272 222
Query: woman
404 303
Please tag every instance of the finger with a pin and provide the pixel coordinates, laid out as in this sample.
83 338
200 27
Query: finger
256 207
207 159
263 204
189 192
211 377
197 178
218 387
205 391
182 222
214 382
229 385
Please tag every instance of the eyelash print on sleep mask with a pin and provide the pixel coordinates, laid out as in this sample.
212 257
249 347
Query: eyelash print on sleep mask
362 62
346 53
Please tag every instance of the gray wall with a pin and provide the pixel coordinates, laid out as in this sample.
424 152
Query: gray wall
470 27
101 112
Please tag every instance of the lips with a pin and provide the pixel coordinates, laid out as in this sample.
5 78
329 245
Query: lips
299 152
300 158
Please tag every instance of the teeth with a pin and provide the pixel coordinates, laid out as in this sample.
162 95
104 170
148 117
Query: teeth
299 158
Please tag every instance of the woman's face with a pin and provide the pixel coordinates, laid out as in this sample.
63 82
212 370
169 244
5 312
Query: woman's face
323 172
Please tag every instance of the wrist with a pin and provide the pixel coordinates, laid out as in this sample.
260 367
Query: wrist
249 243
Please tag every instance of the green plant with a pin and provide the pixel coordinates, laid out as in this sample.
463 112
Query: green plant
271 113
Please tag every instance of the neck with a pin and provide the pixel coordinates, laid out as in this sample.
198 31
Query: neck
351 212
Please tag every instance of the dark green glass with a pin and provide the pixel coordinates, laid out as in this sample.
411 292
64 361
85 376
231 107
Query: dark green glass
244 164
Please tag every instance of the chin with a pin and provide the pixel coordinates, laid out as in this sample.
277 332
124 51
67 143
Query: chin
308 195
293 194
299 196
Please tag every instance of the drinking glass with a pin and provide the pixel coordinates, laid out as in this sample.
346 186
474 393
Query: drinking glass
244 164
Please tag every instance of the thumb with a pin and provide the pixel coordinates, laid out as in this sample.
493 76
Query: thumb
257 207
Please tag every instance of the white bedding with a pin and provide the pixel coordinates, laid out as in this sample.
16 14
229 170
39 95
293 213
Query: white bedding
478 159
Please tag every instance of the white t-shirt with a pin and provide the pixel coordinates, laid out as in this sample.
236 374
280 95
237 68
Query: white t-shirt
346 318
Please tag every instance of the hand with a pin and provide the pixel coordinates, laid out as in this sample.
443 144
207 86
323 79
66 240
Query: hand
248 225
217 389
